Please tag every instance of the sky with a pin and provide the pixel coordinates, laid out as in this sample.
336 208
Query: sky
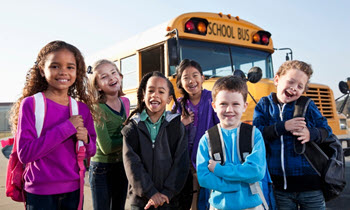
315 30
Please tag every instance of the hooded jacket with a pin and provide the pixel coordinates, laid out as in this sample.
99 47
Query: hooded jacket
161 166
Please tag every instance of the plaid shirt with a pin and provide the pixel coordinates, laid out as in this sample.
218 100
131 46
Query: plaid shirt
269 117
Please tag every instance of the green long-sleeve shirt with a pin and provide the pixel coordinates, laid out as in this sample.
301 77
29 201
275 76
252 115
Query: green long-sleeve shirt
109 138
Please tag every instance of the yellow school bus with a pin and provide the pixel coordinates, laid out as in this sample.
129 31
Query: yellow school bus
221 44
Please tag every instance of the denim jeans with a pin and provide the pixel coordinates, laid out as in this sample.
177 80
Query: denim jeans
304 200
66 201
108 185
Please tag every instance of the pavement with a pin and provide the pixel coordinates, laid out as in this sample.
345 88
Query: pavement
6 203
340 203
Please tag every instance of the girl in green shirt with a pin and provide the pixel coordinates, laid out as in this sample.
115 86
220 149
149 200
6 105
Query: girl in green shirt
107 177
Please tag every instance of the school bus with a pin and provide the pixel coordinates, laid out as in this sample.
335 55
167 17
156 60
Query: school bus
221 44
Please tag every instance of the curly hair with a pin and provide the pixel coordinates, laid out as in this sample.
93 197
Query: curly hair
100 96
185 63
295 64
36 83
142 89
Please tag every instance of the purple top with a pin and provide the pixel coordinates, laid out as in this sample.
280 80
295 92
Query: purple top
206 118
51 162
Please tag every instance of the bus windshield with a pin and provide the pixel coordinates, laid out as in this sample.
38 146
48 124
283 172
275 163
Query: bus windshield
218 60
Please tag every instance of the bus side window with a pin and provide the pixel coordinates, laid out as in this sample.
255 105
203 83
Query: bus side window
129 69
152 60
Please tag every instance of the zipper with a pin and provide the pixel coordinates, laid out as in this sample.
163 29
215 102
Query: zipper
152 160
282 150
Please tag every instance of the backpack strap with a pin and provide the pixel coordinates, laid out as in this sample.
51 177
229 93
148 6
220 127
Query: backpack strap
245 144
300 111
80 150
216 144
126 103
39 106
245 140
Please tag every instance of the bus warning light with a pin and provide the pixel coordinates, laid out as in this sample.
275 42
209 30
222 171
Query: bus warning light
265 39
189 25
261 37
201 27
196 26
256 38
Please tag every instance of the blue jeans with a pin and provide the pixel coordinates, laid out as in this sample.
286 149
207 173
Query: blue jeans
108 185
305 200
66 201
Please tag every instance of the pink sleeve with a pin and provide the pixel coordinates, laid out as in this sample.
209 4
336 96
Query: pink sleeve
30 147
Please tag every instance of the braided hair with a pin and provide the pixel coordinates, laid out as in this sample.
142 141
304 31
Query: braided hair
141 93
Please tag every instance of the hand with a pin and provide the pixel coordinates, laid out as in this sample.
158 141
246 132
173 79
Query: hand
294 124
187 119
212 165
82 134
303 135
156 200
77 121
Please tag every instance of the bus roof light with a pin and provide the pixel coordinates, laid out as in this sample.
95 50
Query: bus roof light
202 27
196 26
229 16
265 39
261 37
256 38
189 26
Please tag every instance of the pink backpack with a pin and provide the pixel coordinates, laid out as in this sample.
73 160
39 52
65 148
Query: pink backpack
14 177
15 169
126 103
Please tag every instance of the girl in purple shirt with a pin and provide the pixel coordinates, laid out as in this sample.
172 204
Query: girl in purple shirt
198 116
51 173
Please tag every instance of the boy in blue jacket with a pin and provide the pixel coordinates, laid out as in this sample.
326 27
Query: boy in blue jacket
296 183
230 182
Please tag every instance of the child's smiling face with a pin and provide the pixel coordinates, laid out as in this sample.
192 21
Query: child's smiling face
291 85
60 70
229 107
156 96
108 79
191 80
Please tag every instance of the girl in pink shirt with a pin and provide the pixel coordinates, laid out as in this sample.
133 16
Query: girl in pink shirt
51 173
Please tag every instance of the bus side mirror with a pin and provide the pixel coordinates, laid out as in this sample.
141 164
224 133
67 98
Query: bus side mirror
239 73
254 74
343 87
173 52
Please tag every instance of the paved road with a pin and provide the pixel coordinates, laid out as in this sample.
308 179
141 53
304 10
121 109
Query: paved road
6 203
340 203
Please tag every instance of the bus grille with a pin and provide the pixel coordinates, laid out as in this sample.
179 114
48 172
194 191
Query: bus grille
323 100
